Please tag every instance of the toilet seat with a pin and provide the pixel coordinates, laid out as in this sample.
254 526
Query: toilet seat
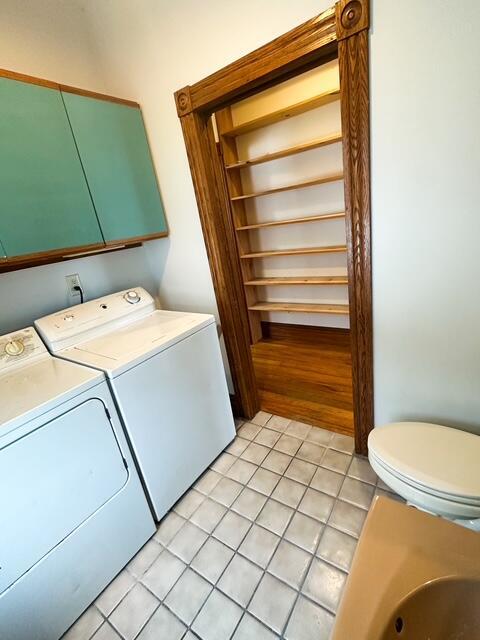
431 466
419 487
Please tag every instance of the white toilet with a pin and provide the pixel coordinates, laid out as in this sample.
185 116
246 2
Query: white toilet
435 468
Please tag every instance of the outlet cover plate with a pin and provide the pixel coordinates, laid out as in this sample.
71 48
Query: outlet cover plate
73 280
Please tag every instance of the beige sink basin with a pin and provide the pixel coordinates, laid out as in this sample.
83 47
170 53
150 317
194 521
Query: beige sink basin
414 577
443 609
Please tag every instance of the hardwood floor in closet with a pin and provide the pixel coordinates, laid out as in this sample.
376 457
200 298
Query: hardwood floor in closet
305 373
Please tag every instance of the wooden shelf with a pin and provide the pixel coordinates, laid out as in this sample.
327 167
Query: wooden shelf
283 114
284 153
278 223
338 248
298 185
301 307
315 280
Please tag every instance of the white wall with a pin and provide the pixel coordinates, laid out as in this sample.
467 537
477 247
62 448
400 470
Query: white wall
426 219
52 39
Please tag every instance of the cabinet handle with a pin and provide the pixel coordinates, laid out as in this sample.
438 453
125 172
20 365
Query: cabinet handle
93 251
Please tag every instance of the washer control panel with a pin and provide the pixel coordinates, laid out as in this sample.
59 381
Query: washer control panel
85 321
19 346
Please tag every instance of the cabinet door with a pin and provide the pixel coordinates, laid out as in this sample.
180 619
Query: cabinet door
44 199
116 158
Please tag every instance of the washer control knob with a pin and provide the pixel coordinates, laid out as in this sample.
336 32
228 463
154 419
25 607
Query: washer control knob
14 348
132 297
69 317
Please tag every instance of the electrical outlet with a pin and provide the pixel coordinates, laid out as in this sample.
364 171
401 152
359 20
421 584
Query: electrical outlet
73 280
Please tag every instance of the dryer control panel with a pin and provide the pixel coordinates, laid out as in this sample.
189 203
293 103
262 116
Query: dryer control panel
19 346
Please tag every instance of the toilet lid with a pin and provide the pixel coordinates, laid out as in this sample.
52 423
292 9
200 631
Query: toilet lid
439 458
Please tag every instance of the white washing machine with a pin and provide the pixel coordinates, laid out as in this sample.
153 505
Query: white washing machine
166 373
72 507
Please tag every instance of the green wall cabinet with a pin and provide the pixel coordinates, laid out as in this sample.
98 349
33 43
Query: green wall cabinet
45 204
76 174
116 158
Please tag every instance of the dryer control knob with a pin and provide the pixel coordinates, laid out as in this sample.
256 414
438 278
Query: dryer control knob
14 348
132 297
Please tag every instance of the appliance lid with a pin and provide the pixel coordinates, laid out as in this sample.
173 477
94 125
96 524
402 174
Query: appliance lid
123 348
440 458
31 390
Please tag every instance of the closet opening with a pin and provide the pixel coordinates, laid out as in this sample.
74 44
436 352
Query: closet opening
278 147
282 157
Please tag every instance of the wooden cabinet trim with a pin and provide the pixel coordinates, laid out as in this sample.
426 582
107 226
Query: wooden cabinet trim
71 253
61 255
137 239
23 77
98 96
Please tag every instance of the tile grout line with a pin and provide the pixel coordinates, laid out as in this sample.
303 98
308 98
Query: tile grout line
281 537
244 609
188 565
313 554
294 511
251 523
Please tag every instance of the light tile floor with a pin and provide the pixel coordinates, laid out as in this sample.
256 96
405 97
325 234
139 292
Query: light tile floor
259 548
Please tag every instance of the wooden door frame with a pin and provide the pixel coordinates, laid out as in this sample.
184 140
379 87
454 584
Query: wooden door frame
340 31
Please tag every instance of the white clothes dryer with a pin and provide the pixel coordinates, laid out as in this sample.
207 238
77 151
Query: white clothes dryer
73 511
166 373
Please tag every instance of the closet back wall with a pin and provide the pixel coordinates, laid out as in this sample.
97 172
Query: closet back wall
326 198
53 40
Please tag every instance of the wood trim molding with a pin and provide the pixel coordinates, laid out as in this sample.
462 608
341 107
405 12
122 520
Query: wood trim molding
354 83
60 255
343 31
351 16
65 88
137 239
183 101
22 77
291 51
220 242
